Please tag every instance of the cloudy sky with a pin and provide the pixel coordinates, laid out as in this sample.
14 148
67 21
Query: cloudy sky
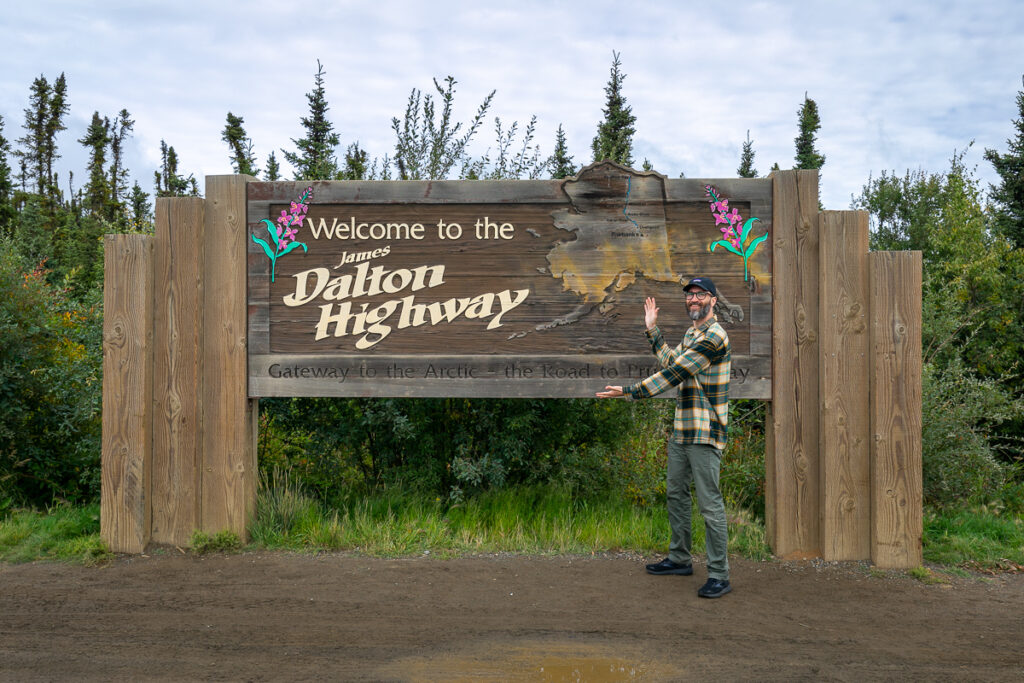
900 85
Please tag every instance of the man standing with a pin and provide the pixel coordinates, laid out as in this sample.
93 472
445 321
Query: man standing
700 367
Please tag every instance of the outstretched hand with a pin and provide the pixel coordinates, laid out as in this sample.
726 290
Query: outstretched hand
611 392
650 313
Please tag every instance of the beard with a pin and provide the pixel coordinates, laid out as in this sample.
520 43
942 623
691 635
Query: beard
699 313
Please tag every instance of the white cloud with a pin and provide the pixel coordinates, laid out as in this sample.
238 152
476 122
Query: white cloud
899 85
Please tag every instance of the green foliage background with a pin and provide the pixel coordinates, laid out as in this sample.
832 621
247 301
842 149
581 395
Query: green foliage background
453 450
50 390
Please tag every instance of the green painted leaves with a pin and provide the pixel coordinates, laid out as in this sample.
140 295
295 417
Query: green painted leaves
283 234
733 240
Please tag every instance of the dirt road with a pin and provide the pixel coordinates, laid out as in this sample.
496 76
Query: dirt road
269 616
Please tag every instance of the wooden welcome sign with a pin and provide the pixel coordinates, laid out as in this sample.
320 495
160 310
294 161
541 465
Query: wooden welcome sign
505 289
498 288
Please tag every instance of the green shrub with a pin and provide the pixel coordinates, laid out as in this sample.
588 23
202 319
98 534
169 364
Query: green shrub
223 541
742 473
641 457
961 414
50 388
448 446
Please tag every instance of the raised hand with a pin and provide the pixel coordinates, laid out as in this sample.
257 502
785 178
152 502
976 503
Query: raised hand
650 313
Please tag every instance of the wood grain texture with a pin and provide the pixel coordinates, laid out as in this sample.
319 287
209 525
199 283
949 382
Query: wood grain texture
844 387
228 471
262 194
791 460
587 257
178 259
125 513
896 480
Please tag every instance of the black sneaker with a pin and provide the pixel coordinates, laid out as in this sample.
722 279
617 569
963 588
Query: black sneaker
667 566
714 588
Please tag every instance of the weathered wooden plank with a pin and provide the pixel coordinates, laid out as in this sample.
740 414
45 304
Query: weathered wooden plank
408 191
482 191
258 297
178 260
791 461
477 388
845 418
490 376
228 449
125 513
896 495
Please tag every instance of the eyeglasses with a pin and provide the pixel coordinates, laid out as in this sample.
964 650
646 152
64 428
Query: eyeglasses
699 296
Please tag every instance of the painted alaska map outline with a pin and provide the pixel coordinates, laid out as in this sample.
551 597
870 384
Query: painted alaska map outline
618 213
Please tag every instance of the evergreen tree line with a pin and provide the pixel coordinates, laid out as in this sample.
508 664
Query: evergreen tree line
52 263
53 220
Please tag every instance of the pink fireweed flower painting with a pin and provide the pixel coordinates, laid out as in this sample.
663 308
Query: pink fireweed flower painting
298 212
283 234
734 237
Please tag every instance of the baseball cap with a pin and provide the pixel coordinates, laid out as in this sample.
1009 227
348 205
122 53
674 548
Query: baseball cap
704 283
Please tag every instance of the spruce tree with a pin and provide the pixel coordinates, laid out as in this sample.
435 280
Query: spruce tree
140 210
242 159
273 168
1008 196
168 182
356 160
561 161
33 144
807 157
120 129
7 211
315 158
58 109
22 176
97 196
614 139
746 169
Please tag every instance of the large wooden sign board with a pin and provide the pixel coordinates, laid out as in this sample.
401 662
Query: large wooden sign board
498 288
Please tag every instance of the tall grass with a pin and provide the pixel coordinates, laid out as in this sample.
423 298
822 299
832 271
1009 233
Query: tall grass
538 520
531 520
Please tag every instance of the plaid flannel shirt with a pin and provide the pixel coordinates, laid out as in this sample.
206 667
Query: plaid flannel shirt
700 367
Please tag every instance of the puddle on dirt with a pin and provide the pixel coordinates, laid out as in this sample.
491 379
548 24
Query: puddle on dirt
591 669
531 661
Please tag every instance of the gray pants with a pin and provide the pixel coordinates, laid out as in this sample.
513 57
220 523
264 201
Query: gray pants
698 463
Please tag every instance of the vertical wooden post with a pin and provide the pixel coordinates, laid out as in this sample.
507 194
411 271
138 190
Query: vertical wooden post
791 458
177 412
844 388
125 514
229 469
896 486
